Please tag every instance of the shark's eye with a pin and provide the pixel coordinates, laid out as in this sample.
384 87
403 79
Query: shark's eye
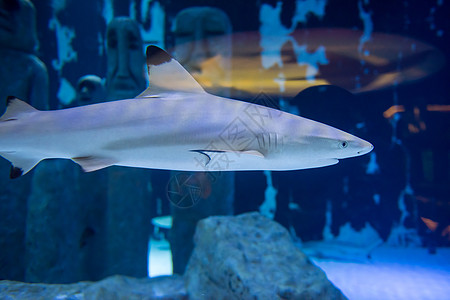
343 144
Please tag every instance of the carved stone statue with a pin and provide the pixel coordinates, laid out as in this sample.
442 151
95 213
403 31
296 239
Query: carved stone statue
203 46
22 74
127 212
25 76
90 90
126 61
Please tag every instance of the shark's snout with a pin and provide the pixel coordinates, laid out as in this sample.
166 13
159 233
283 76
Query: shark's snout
366 148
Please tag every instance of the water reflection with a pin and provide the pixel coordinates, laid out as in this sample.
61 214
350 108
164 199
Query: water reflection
322 56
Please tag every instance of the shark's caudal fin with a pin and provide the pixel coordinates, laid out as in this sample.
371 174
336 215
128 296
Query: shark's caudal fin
167 75
15 110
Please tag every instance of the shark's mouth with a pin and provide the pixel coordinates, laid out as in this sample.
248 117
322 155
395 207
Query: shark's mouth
323 163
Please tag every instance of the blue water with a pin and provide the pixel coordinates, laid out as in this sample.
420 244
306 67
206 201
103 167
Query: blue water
388 66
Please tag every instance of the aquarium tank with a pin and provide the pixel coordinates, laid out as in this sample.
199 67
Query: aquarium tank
127 172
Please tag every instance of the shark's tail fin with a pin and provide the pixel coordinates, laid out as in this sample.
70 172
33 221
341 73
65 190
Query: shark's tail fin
15 110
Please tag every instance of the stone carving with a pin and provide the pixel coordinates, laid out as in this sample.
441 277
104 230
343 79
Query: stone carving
90 90
23 75
203 47
125 57
127 211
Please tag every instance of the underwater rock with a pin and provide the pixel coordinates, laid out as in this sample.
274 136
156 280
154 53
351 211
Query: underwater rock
121 287
115 287
252 257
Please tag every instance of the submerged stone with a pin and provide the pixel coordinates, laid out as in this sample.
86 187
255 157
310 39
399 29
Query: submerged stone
236 257
252 257
115 287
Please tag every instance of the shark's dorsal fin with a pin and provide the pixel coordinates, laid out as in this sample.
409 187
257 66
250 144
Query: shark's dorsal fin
15 108
166 75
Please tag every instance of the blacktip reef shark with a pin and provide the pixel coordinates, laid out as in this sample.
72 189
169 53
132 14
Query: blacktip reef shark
174 124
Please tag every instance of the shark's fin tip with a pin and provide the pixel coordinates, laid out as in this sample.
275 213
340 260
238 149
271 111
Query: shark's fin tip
15 172
157 56
10 99
20 165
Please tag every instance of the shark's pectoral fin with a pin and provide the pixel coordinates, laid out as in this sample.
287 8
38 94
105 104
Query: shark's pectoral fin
209 153
20 164
93 163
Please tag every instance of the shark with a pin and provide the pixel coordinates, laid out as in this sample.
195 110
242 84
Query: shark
175 125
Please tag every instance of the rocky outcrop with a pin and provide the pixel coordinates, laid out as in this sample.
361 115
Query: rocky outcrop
241 257
115 287
252 257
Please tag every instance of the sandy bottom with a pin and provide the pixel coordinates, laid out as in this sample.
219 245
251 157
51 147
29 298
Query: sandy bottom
391 273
